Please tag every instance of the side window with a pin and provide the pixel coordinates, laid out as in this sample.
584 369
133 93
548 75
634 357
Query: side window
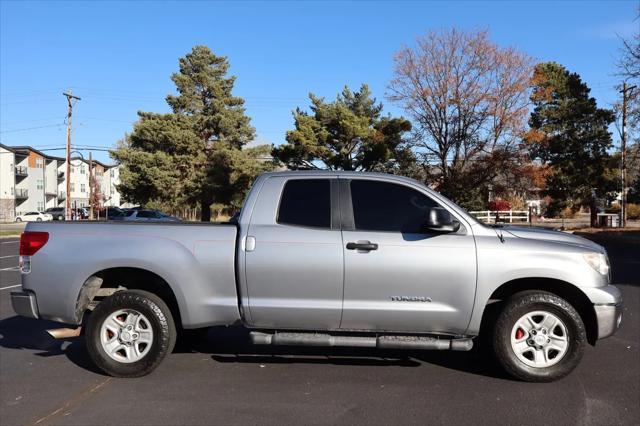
383 206
306 202
145 214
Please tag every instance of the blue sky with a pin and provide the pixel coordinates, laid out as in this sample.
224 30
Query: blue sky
118 56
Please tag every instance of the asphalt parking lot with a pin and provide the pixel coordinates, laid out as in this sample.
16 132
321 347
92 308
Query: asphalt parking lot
224 380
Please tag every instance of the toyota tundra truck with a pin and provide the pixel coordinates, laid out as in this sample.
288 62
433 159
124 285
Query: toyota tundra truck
325 258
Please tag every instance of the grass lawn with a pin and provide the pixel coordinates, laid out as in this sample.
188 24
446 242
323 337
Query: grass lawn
10 233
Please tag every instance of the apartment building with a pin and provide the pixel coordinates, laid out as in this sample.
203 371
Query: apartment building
31 180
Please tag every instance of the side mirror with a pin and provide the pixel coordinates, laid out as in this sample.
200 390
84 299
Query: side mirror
440 220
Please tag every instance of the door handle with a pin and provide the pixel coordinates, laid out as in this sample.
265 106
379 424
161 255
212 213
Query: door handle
362 245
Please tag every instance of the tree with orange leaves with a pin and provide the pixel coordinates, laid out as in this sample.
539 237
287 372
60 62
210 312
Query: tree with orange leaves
570 135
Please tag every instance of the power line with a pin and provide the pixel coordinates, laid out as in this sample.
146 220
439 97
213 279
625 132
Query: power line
32 128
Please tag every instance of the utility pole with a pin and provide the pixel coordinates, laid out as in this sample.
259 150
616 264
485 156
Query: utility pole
70 98
90 186
623 148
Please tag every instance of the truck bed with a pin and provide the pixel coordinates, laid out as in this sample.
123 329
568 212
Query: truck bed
196 260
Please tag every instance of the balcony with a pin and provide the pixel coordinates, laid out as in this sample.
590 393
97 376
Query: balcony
21 171
60 175
62 196
22 194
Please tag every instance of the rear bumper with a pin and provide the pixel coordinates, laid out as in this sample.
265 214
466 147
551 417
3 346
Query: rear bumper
24 303
609 318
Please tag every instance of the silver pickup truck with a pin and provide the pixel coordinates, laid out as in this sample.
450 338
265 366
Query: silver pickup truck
325 259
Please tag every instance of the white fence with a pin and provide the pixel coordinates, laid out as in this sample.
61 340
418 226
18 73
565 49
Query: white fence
510 216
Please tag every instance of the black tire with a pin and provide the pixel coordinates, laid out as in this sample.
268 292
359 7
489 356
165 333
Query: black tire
18 219
38 220
161 321
529 301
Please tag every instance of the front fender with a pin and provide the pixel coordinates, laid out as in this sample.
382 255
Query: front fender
518 258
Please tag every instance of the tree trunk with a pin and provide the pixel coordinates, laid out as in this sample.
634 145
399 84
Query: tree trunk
205 215
594 213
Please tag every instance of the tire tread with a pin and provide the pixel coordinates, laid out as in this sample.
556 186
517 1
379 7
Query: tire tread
512 310
131 299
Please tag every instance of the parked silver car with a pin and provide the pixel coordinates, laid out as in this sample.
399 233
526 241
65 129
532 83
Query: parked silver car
325 258
148 215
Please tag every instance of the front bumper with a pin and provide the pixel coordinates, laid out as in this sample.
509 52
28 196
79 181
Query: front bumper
609 318
607 305
24 303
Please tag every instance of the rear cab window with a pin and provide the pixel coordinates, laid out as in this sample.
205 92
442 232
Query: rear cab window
306 202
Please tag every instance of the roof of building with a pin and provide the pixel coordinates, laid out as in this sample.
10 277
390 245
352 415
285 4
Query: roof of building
24 149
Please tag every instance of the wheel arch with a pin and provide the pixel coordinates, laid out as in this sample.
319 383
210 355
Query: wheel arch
566 290
107 281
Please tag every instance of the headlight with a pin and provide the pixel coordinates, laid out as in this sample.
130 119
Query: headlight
598 261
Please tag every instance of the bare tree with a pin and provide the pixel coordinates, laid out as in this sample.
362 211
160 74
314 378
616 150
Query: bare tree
629 69
468 99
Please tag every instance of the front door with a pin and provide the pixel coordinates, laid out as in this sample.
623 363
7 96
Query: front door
399 276
293 261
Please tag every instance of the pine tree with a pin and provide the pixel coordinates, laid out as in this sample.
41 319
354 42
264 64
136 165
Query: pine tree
349 133
195 154
570 134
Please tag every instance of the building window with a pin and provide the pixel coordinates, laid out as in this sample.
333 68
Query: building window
39 163
40 206
113 190
12 190
73 187
82 188
82 170
39 184
112 173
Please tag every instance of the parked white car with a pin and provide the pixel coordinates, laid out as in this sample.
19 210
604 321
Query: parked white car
34 217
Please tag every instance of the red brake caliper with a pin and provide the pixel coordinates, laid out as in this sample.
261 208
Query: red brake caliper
519 334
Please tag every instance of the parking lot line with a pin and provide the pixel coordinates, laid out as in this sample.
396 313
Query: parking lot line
10 242
11 286
13 268
6 257
75 401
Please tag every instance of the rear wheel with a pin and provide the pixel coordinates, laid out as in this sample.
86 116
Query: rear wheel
18 219
538 337
38 219
130 333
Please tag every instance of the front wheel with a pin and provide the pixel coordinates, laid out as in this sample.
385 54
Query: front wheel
18 219
538 337
130 333
38 220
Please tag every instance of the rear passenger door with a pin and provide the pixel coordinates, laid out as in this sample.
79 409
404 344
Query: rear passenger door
294 260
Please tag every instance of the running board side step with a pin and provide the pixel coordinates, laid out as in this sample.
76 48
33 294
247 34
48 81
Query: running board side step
381 342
